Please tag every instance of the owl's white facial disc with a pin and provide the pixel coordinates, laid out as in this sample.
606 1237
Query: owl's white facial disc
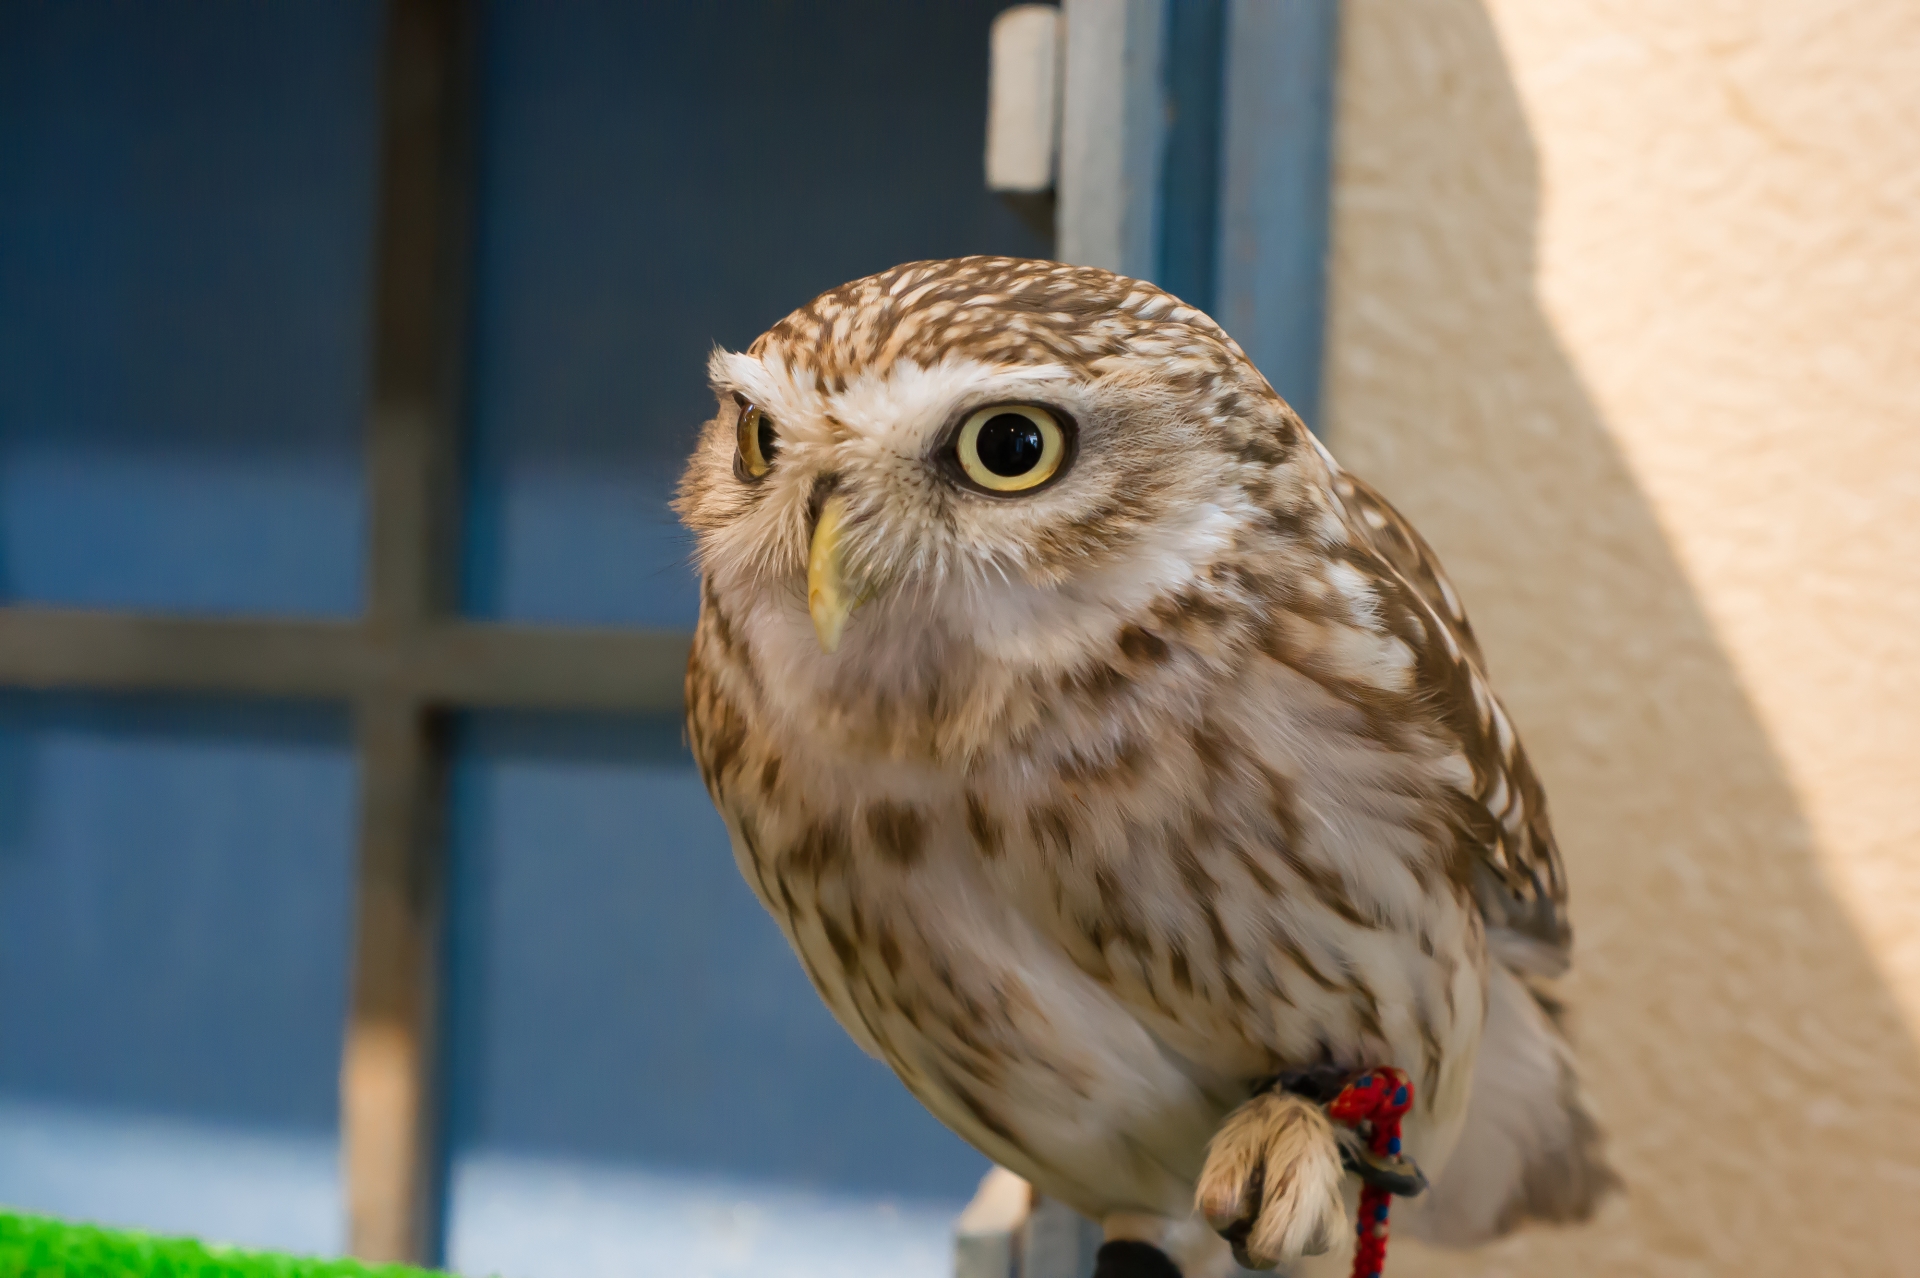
864 398
1014 574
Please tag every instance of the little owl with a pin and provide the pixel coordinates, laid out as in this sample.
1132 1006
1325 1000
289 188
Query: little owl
1121 769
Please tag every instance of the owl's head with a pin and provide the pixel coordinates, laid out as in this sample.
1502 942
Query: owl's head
992 451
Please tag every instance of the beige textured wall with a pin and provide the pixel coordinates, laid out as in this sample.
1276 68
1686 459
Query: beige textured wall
1626 316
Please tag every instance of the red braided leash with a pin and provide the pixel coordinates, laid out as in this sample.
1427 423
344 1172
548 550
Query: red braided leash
1372 1105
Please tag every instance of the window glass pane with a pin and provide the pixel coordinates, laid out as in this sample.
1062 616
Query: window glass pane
174 931
637 1057
186 204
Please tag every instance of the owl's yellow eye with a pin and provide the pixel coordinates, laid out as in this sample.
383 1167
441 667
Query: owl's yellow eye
757 441
1010 448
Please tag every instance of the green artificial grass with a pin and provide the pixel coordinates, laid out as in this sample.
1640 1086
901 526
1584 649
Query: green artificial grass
36 1247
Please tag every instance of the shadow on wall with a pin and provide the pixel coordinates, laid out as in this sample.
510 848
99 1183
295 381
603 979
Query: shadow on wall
1743 1048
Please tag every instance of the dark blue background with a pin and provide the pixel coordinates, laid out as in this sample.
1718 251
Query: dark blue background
186 203
186 196
659 179
185 217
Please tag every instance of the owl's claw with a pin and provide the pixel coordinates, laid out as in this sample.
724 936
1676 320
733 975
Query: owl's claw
1271 1183
1394 1172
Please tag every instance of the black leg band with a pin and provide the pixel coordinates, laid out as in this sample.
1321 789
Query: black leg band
1128 1259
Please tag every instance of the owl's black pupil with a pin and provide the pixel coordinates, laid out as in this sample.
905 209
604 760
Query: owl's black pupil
1009 445
768 441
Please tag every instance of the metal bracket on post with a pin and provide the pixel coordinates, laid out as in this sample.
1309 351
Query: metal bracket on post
1023 112
1009 1231
1076 126
1058 1242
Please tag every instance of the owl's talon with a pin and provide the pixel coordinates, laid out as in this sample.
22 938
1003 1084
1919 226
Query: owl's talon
1271 1182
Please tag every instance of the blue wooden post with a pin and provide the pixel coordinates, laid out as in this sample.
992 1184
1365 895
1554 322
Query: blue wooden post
1112 134
1193 68
1196 151
1276 152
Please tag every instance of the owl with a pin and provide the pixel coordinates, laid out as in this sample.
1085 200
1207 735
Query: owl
1120 768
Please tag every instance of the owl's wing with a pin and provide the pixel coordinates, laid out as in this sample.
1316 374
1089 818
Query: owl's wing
1401 545
1530 1149
1519 880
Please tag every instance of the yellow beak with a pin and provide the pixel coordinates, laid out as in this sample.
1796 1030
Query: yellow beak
831 598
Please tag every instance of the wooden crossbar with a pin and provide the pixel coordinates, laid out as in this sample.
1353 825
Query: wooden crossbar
446 664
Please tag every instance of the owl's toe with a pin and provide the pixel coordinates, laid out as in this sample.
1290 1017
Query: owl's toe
1271 1183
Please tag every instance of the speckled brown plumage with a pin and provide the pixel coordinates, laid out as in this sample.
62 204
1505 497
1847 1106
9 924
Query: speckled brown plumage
1123 795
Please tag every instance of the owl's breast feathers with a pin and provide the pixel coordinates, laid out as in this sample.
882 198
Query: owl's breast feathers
1277 818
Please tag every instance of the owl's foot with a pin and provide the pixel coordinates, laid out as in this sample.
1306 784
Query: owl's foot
1271 1183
